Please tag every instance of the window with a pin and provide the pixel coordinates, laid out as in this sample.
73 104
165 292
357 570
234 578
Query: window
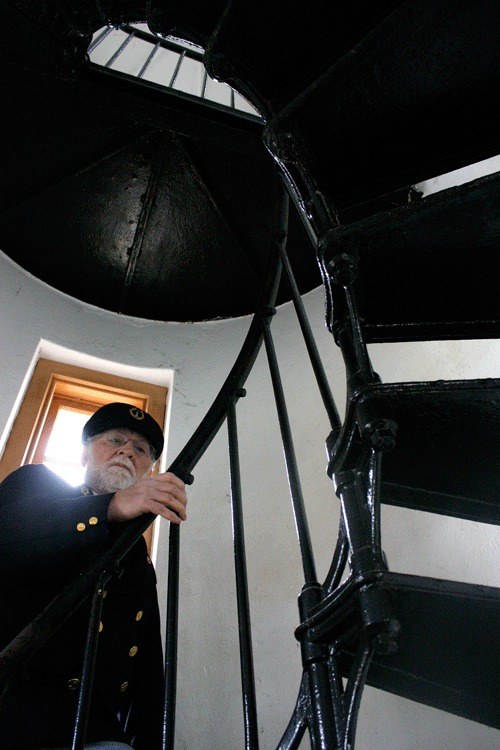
59 400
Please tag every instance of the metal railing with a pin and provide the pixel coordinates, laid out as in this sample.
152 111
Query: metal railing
324 706
211 92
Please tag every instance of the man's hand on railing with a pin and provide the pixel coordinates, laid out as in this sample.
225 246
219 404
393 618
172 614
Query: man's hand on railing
163 494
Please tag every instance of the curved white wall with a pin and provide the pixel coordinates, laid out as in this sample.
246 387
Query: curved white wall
209 711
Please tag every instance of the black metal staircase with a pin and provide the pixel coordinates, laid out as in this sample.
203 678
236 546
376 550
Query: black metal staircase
360 104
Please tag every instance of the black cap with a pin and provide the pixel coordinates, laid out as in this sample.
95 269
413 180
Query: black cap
117 415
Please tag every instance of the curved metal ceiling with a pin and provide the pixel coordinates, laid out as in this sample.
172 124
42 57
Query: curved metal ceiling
129 197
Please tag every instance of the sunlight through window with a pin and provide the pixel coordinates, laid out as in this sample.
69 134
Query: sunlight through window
64 447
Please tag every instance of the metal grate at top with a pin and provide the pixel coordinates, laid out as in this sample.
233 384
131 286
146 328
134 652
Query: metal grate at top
169 62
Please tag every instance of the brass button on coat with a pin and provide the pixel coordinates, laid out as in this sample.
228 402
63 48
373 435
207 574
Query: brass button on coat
73 683
133 651
80 527
101 627
139 615
93 520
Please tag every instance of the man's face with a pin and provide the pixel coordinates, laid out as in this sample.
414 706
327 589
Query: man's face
115 459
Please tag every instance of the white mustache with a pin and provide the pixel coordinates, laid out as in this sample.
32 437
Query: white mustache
123 462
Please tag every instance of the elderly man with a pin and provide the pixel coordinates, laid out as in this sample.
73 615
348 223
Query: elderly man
49 531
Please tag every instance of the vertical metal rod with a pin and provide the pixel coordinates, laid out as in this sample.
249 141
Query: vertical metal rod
89 657
354 691
338 705
294 732
120 50
322 729
177 68
317 365
102 36
291 462
148 60
232 99
356 517
361 362
339 560
204 84
373 497
171 638
244 626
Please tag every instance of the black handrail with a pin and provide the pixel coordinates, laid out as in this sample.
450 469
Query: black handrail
36 633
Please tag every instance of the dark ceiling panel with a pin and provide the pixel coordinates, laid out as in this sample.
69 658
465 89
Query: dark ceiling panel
191 264
77 234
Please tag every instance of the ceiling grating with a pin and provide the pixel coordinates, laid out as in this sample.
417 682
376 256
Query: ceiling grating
168 62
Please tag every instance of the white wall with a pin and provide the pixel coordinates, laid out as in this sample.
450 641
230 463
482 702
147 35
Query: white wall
209 711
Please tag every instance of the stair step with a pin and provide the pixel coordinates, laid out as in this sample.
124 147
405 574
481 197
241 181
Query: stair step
272 54
446 455
448 648
414 99
426 269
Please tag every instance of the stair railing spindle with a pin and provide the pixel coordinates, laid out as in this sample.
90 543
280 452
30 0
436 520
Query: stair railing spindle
89 657
244 625
312 349
171 639
297 498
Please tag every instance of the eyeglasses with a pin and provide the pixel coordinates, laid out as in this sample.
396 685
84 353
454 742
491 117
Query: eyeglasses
116 440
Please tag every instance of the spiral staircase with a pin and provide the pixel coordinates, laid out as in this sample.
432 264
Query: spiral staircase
359 102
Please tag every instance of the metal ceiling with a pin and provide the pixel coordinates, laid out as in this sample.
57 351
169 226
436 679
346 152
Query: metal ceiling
127 196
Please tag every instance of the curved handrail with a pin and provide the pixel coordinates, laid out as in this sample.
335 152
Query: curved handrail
32 637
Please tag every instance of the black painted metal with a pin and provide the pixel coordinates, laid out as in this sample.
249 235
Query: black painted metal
90 138
353 693
296 728
272 54
356 132
197 445
312 349
89 658
39 630
445 459
322 726
339 561
296 495
421 268
244 626
171 639
346 129
448 652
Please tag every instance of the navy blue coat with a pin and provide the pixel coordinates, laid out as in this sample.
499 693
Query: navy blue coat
48 533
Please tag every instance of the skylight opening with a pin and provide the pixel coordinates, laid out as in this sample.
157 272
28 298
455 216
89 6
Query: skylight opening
169 62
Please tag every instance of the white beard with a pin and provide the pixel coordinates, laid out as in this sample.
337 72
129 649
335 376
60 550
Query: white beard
112 478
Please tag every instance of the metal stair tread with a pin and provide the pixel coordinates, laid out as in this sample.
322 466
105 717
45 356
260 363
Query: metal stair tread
448 655
445 452
414 99
425 270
